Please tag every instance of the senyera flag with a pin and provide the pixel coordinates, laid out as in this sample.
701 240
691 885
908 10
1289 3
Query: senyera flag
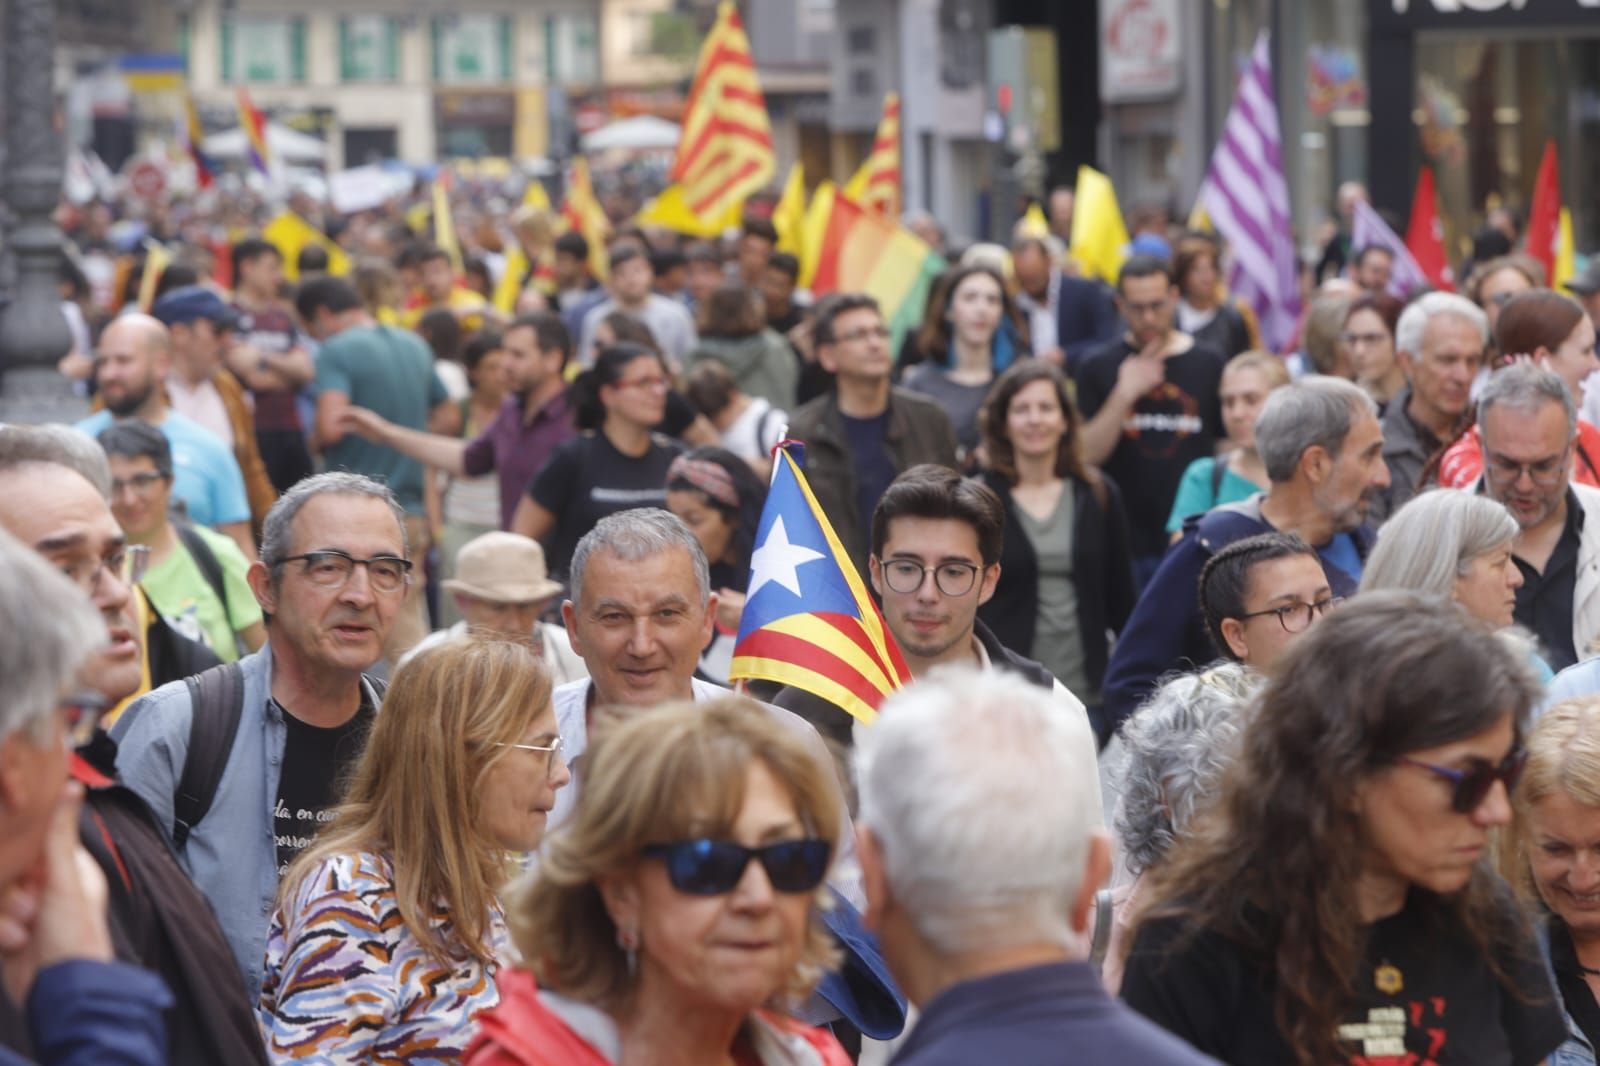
808 620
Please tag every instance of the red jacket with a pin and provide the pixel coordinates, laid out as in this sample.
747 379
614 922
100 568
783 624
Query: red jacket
522 1031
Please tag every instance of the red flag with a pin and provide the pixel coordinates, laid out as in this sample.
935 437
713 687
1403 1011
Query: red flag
1425 234
1544 220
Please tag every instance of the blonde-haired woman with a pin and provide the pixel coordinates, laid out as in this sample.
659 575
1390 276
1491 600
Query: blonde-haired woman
1556 860
680 908
388 935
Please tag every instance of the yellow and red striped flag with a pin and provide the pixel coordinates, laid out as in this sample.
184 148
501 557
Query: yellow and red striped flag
726 152
581 211
876 185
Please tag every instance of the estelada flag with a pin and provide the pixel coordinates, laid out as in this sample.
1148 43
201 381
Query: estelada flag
1425 234
1544 218
808 620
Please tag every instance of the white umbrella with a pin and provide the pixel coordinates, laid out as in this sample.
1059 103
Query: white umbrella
639 132
285 144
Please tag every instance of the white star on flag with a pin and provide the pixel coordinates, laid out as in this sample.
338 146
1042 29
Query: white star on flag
776 560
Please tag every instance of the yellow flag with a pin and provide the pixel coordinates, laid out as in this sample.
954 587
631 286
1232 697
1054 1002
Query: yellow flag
815 230
789 215
1099 236
534 195
1033 223
670 210
509 287
444 226
876 184
1566 254
583 213
289 233
156 261
417 218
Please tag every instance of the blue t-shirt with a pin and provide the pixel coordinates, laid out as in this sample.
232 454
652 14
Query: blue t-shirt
205 475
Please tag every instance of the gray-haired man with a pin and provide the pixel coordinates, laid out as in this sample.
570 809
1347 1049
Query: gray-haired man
332 577
1322 447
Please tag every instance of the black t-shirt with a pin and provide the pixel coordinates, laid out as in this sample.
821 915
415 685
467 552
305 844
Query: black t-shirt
1424 996
586 479
679 415
874 465
315 763
1576 995
1170 427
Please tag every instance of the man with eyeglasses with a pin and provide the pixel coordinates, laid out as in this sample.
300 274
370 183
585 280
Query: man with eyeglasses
1527 423
1261 594
860 436
1440 342
50 500
936 539
331 581
1153 402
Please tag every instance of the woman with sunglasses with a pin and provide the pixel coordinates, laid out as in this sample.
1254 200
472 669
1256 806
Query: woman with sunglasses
614 463
680 908
1552 860
1336 905
1454 545
388 936
1554 332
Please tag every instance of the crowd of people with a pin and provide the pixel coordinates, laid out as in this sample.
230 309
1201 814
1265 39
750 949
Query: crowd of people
1251 704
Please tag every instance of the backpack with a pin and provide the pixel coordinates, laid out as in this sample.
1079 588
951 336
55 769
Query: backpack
210 569
216 704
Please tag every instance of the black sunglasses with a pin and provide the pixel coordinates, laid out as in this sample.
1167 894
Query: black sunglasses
1472 786
713 867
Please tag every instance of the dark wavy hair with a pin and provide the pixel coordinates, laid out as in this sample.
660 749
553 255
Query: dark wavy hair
933 339
587 410
992 422
752 492
1275 864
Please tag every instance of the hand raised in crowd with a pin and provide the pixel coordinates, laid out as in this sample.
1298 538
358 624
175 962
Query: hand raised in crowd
1142 372
364 423
801 337
730 608
59 911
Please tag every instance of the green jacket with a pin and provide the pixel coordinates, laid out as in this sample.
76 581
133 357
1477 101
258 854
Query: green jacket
762 364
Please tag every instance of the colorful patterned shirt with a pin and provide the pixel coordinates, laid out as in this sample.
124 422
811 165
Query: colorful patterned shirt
347 983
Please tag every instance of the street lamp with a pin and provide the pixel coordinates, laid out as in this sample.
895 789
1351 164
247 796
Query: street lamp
33 331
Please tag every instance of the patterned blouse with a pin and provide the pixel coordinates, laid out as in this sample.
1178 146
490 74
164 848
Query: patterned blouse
347 983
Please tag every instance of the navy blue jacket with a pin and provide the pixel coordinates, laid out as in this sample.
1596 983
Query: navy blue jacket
1166 631
1044 1014
83 1013
1086 318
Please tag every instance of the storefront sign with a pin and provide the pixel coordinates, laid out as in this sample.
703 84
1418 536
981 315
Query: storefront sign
1139 58
1421 14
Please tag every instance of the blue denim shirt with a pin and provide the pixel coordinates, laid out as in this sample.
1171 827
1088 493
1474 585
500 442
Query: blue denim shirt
232 854
87 1013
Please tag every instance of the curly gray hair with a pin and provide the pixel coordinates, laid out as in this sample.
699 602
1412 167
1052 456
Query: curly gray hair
1178 744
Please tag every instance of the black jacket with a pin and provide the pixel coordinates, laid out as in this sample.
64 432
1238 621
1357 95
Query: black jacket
1101 567
834 723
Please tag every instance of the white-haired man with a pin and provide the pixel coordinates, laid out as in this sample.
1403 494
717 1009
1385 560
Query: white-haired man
1440 341
982 914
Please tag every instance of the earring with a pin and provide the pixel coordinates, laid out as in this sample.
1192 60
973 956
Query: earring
628 941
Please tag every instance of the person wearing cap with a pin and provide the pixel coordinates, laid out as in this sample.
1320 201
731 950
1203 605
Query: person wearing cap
131 361
501 587
200 387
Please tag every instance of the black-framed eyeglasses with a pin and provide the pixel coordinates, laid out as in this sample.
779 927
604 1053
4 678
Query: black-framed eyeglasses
331 568
708 867
905 576
1472 786
1297 617
550 751
1548 471
140 483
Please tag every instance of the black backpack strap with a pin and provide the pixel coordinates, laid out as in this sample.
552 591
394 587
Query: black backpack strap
206 559
216 703
1219 468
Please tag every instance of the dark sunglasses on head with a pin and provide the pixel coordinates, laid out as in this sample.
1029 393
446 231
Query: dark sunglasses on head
1472 786
714 867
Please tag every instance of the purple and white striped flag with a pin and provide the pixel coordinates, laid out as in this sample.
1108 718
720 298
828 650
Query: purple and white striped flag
1247 199
1369 230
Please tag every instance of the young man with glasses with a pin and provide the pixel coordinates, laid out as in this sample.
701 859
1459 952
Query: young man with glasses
1440 342
1526 425
936 539
861 435
1260 594
1153 403
332 579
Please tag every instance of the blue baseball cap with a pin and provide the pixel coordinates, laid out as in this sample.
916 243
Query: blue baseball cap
191 302
861 989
